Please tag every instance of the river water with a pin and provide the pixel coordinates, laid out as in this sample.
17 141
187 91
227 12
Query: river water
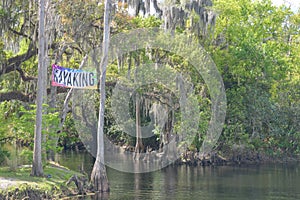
281 181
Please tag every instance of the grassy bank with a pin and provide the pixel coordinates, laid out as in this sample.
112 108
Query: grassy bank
18 184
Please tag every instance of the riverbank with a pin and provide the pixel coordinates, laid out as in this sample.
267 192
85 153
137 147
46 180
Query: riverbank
18 184
233 156
234 159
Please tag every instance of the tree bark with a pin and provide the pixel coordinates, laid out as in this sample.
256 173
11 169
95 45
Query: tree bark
52 138
139 143
37 167
98 177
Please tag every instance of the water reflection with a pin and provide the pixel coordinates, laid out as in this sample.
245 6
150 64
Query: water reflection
184 182
100 196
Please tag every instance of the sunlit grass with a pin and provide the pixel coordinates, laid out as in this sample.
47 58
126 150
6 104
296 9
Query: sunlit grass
54 178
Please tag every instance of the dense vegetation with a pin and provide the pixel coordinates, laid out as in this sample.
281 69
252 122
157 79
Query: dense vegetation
254 44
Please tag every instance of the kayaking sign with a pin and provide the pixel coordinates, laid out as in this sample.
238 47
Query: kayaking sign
73 78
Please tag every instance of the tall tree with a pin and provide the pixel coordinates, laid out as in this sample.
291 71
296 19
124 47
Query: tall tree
139 141
98 176
37 167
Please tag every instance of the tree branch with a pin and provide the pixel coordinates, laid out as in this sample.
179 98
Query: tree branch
19 33
18 95
25 78
7 139
15 95
14 63
21 58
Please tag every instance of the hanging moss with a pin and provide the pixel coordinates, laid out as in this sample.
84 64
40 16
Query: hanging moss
197 16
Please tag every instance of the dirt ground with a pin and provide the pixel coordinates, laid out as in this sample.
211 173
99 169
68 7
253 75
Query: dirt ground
7 182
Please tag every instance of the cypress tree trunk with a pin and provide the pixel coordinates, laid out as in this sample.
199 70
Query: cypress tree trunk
37 167
98 176
139 143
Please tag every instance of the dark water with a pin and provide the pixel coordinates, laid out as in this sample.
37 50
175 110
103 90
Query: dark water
183 182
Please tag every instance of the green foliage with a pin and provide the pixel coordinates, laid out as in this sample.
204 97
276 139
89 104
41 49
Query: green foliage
2 52
3 155
19 120
255 46
116 135
151 21
69 137
26 155
257 58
